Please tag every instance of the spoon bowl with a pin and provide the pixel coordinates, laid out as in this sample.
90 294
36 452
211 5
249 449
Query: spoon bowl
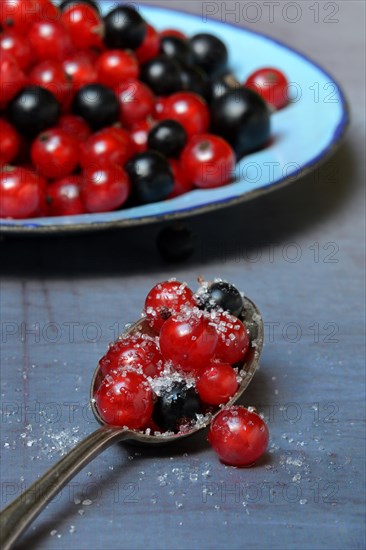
16 517
252 320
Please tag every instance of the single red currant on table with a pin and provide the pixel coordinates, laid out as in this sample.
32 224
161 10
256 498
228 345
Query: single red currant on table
208 160
55 153
125 399
167 298
271 84
239 436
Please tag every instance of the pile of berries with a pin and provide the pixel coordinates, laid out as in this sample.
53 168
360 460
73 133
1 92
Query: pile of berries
99 113
188 364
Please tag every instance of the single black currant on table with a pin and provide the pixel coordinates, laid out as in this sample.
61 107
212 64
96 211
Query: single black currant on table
177 48
151 177
210 53
33 110
175 243
176 406
222 295
242 118
168 137
193 79
97 104
69 3
162 75
219 86
124 28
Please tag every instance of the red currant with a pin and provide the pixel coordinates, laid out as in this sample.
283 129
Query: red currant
9 143
108 146
115 66
80 70
188 340
135 352
18 46
47 11
64 197
189 109
139 133
208 160
271 84
22 193
105 189
167 298
18 15
74 126
216 383
136 101
12 79
181 182
159 107
239 436
125 399
84 25
55 153
50 75
233 340
49 40
150 46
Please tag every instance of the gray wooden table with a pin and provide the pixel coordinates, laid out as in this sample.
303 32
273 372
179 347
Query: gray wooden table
64 299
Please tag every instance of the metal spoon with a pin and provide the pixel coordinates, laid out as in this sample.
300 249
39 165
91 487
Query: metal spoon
16 517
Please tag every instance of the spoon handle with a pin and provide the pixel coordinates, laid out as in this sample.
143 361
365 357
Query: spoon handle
16 517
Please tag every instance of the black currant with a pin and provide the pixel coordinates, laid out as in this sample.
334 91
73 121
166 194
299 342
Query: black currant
162 75
67 3
151 176
219 86
210 53
33 110
177 48
241 117
176 406
175 243
193 79
97 104
168 137
222 295
124 28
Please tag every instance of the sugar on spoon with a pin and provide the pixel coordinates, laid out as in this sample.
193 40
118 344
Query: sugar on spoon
16 517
